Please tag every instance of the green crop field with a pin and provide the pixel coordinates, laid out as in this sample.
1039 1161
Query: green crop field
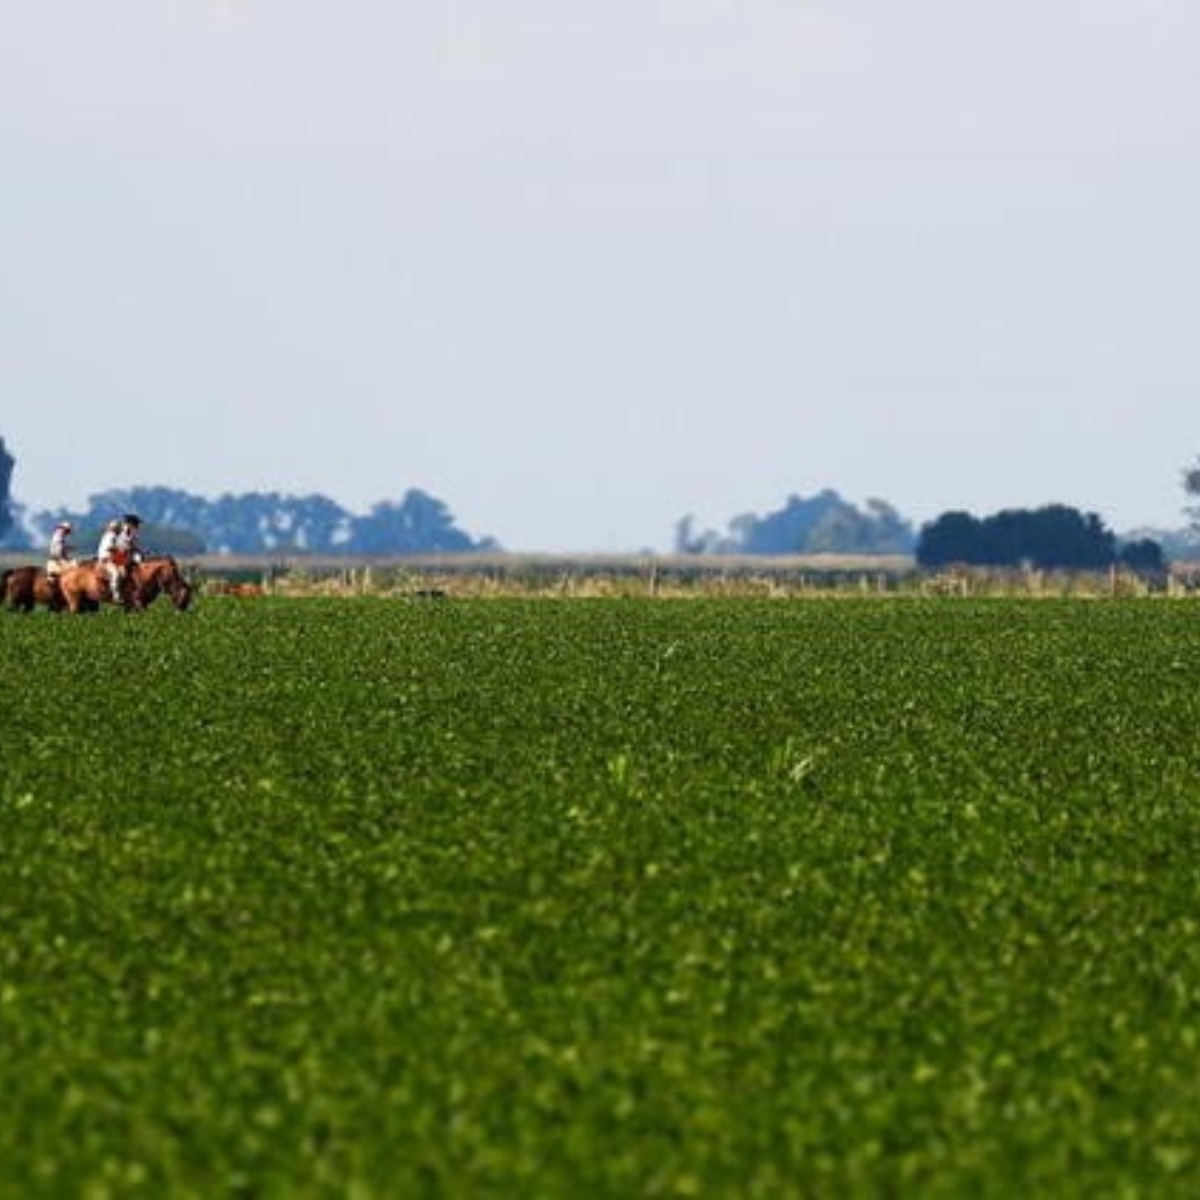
601 898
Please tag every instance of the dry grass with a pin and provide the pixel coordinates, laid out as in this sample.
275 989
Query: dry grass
471 576
675 577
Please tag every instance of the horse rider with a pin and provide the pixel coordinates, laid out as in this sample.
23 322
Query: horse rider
111 558
62 556
127 538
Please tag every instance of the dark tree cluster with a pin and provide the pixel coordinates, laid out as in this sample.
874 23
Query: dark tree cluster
1056 536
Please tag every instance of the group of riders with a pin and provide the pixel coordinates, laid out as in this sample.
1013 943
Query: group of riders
118 549
120 573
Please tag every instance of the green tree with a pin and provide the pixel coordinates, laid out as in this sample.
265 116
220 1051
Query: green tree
1144 555
7 462
1191 488
805 525
419 522
1053 536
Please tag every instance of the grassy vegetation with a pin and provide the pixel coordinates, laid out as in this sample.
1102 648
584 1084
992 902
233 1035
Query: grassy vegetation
601 898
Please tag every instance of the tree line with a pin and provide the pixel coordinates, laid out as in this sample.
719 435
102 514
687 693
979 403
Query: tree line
180 522
1055 536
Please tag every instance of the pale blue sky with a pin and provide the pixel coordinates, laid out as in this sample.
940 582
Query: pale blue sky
580 270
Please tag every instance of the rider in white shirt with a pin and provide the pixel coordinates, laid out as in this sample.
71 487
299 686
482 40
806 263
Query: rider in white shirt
61 557
127 538
106 552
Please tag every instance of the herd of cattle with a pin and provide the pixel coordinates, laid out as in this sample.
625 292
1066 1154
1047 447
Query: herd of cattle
87 586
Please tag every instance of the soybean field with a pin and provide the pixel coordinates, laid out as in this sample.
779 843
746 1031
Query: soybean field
377 897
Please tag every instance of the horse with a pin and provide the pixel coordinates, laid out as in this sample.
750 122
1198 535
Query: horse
21 588
154 576
86 587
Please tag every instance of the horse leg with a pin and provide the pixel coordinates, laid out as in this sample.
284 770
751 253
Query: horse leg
74 598
13 591
135 598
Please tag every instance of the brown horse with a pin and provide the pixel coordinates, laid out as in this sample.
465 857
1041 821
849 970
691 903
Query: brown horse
24 587
155 576
86 587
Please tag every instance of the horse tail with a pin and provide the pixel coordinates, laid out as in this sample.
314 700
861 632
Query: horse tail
4 578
